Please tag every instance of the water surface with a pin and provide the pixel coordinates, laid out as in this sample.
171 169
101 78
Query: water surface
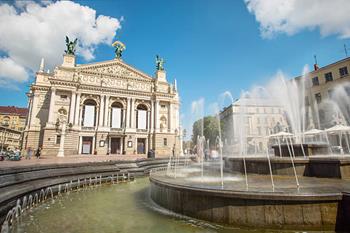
113 209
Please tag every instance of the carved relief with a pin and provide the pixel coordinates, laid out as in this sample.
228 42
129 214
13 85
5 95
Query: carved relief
113 99
115 69
63 75
114 82
143 102
84 97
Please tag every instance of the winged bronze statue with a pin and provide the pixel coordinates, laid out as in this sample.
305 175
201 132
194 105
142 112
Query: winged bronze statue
70 46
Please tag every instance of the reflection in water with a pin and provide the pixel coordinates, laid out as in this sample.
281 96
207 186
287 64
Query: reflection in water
112 208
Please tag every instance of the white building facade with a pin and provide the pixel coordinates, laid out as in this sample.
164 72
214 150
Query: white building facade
102 108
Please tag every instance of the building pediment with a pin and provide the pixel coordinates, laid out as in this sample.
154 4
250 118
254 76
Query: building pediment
113 68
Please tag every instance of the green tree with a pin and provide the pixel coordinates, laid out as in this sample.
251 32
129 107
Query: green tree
209 125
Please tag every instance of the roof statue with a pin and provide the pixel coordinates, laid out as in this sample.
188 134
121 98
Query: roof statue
70 46
119 48
159 63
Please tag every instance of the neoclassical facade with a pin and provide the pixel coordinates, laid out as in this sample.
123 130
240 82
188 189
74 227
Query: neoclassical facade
103 108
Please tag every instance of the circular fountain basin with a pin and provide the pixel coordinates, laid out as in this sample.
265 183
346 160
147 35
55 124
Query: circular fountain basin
318 203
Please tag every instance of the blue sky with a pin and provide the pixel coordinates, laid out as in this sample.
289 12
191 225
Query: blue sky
209 46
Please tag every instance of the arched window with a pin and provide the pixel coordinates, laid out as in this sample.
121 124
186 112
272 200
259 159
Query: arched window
116 115
89 113
141 117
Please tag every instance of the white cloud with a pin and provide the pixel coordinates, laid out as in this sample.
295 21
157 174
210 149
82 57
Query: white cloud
291 16
32 30
11 72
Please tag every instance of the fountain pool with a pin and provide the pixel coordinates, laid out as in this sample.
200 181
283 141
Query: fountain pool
113 208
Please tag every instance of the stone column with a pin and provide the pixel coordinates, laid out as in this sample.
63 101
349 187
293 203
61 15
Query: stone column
156 123
102 105
80 144
72 106
149 120
52 106
30 109
35 98
124 117
132 113
80 123
127 125
170 117
106 113
35 101
152 117
77 110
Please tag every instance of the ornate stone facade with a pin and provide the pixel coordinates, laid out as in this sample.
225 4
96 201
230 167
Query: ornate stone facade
102 108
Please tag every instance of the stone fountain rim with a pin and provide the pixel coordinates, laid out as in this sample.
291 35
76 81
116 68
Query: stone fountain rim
253 195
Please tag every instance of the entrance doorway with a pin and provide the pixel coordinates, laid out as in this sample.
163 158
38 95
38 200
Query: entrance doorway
141 146
115 146
87 145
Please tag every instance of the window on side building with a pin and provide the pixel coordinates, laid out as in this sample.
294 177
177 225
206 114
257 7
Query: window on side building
328 77
343 71
315 81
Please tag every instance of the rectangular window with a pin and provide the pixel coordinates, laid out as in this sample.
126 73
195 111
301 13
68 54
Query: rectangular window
141 119
116 115
318 97
165 141
328 77
89 116
63 96
315 81
343 71
259 131
58 139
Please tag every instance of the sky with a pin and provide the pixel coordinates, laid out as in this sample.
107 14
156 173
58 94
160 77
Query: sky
209 46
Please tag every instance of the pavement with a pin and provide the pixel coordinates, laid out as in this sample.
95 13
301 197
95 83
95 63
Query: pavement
46 160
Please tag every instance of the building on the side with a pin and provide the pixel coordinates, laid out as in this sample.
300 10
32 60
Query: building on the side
327 94
253 120
12 124
102 108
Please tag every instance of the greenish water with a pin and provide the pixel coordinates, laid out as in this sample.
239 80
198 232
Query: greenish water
112 208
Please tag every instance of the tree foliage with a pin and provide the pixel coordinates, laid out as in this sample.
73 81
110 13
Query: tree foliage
208 127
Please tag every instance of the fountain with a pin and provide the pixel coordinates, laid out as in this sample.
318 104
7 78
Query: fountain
251 186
